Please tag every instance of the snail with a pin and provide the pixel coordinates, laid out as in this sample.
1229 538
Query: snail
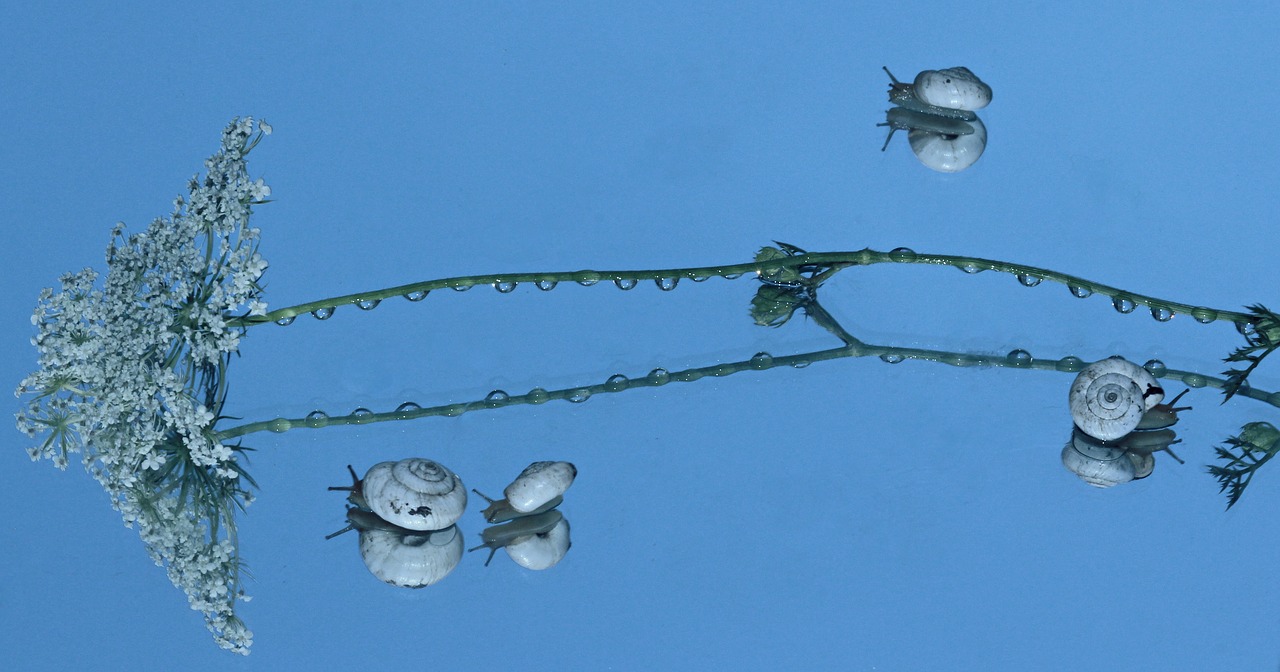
416 494
935 140
936 110
533 542
1113 397
1097 463
952 92
400 557
539 488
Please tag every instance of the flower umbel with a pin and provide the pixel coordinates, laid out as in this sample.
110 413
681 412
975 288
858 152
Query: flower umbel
133 376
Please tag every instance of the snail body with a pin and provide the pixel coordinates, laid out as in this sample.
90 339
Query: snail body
415 494
1113 397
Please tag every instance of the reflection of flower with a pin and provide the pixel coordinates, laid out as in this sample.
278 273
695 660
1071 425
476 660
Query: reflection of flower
133 375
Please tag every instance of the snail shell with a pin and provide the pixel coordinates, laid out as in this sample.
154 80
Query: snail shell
1096 463
400 557
416 494
1109 398
953 88
534 542
947 153
539 488
411 559
954 92
538 484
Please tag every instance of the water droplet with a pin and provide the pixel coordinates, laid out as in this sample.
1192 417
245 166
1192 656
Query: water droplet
286 321
1204 315
497 395
800 363
970 267
732 276
280 425
892 358
454 410
1123 304
586 278
667 284
579 395
1028 280
1019 357
361 414
902 254
1080 291
626 283
1156 368
417 296
505 287
460 287
700 278
761 360
368 304
658 377
537 395
314 416
407 407
1161 313
546 285
322 313
1070 364
617 382
1247 329
1195 380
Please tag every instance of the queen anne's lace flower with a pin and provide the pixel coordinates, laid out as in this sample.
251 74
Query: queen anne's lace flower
133 376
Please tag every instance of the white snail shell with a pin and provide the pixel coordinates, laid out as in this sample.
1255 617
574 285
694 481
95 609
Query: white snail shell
534 542
416 494
955 88
1098 464
538 484
411 559
947 153
1109 398
543 550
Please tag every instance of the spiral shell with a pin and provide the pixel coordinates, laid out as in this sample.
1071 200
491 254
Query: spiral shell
1096 463
538 484
948 153
416 494
954 88
1109 398
411 559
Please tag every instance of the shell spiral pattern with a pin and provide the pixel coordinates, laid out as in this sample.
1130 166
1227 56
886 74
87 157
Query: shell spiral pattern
416 494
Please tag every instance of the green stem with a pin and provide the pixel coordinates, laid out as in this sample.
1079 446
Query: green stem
667 277
760 362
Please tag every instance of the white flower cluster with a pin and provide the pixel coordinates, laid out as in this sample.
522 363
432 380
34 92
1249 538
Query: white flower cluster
133 375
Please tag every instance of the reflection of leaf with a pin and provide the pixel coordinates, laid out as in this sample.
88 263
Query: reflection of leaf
1262 340
772 305
1243 455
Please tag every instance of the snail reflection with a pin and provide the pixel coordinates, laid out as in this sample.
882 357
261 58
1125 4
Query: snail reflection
937 111
532 532
406 514
1120 423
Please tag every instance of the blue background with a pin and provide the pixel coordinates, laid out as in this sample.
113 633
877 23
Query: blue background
850 515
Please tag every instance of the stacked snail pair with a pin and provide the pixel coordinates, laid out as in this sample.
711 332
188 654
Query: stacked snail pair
937 111
1120 423
406 513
